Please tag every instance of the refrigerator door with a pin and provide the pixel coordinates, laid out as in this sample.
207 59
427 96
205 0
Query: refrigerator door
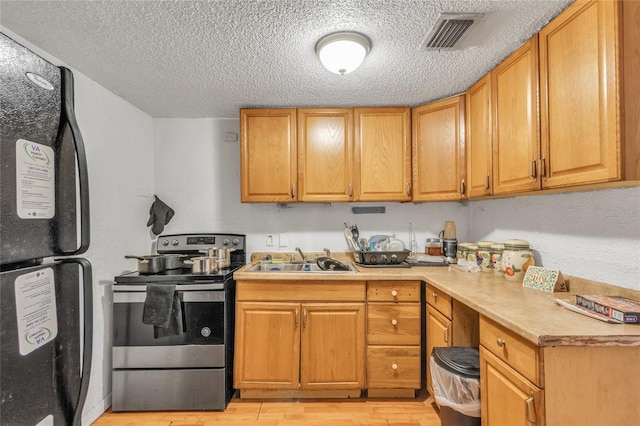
46 343
42 159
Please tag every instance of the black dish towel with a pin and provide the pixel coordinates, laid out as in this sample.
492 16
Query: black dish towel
159 215
162 310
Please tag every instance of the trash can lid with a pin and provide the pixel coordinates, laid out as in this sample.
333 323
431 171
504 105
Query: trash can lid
460 360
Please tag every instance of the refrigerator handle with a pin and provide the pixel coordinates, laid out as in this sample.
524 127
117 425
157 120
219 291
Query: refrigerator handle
87 350
83 174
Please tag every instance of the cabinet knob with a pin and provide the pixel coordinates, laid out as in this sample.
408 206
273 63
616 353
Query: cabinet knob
435 296
394 322
394 366
394 293
501 342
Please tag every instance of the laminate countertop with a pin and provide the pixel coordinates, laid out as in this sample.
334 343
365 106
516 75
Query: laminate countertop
531 313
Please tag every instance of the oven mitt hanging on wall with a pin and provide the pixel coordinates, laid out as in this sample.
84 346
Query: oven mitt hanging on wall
159 215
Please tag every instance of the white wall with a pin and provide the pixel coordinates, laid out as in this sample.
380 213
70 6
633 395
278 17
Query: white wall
593 235
119 143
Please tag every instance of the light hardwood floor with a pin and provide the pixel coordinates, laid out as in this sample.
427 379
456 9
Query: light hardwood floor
364 411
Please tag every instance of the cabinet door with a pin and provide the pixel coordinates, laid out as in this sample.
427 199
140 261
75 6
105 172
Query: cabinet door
383 154
438 336
507 397
268 170
333 346
516 141
579 95
438 150
267 346
478 139
325 155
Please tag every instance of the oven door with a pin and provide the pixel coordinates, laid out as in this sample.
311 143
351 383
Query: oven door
201 344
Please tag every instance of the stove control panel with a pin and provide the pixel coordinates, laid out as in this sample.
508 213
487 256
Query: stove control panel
186 243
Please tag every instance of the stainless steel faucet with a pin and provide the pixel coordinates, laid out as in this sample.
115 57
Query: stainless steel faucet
301 253
327 252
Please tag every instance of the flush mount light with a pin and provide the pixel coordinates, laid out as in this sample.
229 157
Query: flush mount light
343 52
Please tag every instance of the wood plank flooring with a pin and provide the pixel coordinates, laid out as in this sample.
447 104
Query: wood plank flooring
365 411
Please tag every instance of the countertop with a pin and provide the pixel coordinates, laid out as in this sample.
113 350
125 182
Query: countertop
531 313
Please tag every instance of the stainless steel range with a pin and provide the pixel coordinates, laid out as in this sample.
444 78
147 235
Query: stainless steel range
191 367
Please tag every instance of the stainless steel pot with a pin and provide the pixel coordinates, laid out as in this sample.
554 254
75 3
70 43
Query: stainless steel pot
174 261
150 264
204 264
222 255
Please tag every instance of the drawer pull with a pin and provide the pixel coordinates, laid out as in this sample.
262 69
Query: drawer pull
446 335
394 366
394 293
530 409
394 322
297 318
304 318
435 296
501 342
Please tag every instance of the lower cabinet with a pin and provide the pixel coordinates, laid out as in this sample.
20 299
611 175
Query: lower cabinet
393 338
438 336
291 349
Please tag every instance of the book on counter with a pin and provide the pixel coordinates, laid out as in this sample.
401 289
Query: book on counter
619 308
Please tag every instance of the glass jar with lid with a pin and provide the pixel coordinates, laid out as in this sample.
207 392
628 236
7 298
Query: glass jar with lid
496 260
516 259
433 247
483 255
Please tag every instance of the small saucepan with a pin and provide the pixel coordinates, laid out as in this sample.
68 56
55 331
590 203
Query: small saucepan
222 255
152 264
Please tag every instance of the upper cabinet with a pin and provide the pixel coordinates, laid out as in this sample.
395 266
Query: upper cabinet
325 154
478 137
268 155
438 150
516 141
582 93
383 154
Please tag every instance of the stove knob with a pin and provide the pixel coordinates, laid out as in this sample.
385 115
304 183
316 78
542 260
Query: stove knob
205 331
236 241
174 242
226 242
165 242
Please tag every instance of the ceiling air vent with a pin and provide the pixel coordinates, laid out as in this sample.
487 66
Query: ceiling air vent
450 29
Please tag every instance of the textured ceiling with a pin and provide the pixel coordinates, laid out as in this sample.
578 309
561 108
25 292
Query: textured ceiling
210 58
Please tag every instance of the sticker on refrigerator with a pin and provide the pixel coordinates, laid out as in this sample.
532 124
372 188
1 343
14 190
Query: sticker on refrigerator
35 180
36 309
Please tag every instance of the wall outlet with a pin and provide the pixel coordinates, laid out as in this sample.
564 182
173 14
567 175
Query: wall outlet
230 137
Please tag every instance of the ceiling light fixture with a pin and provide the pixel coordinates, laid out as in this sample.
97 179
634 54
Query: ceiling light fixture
343 52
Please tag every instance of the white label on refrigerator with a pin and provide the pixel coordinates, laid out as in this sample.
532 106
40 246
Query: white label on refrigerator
36 309
35 180
47 421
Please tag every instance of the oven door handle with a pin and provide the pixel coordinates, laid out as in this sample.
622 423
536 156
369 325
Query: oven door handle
185 296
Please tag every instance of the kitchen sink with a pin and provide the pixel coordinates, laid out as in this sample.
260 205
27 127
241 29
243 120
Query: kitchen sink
298 267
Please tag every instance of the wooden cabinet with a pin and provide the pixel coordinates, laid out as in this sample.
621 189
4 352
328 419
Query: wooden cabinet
393 338
383 154
299 339
478 137
516 137
510 377
325 155
587 86
268 147
438 150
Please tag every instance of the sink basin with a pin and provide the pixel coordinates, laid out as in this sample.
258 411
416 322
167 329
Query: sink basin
297 267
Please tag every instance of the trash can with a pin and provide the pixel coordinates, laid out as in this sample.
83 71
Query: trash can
455 376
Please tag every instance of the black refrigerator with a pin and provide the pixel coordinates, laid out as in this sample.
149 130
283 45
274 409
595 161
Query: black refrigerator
45 289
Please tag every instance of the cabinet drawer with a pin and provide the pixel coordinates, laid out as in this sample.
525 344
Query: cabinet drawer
515 351
393 324
439 300
393 291
393 367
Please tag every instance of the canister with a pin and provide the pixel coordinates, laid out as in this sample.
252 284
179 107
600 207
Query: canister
496 260
463 251
516 259
483 255
471 253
